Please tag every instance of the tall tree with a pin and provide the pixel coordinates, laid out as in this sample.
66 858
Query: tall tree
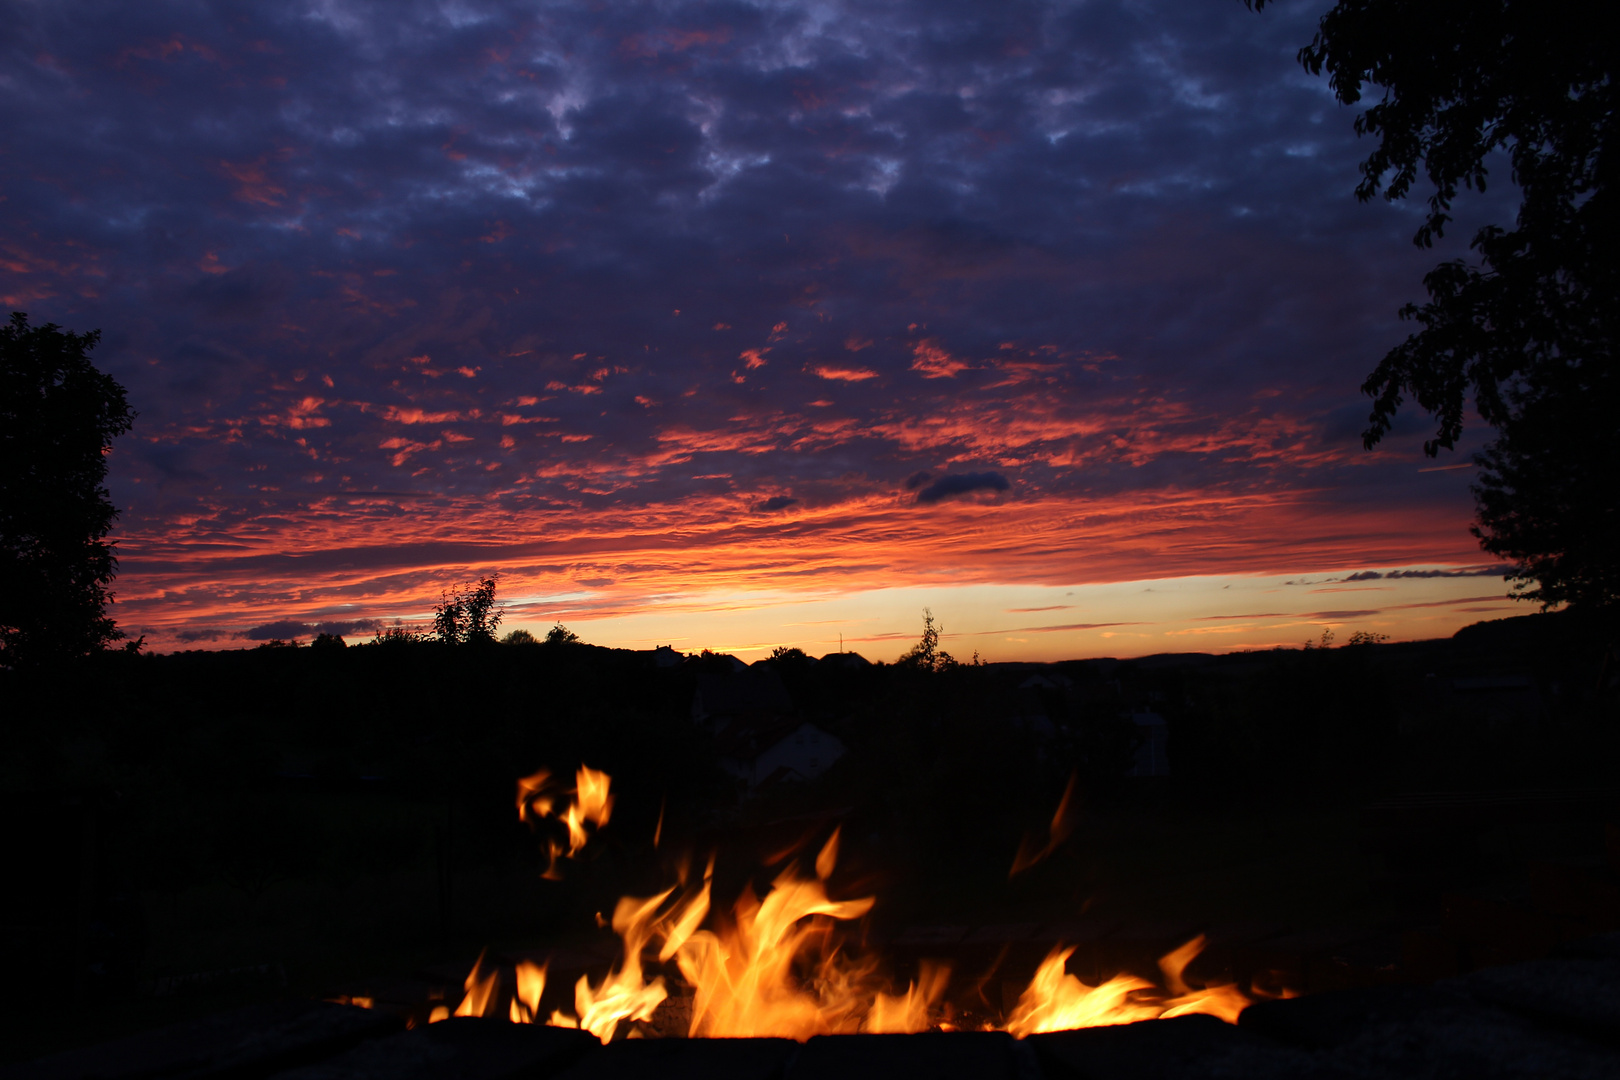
58 418
1527 328
468 614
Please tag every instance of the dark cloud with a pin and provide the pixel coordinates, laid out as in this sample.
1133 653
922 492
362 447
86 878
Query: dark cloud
778 502
918 479
962 484
1460 572
287 629
1467 571
192 635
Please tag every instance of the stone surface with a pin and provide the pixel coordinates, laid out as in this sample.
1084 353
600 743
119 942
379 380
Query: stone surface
1183 1047
935 1055
1415 1032
1468 1040
1325 1021
241 1044
461 1048
1581 995
686 1059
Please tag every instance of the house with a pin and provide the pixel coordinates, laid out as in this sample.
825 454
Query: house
1047 680
852 661
786 752
759 735
1152 758
665 657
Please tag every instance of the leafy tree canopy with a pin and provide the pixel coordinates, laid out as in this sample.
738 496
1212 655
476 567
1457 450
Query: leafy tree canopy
468 615
926 655
1528 329
561 635
58 418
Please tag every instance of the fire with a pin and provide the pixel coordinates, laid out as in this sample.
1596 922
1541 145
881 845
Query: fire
915 1009
1062 825
776 966
480 987
1057 1001
592 803
743 978
531 984
624 995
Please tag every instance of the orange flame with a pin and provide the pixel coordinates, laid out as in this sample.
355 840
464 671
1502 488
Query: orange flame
1059 831
624 995
1057 1001
775 967
480 987
531 984
592 803
912 1011
742 977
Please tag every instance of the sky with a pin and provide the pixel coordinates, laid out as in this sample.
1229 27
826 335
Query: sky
736 325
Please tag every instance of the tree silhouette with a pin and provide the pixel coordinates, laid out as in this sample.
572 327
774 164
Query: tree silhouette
1545 494
58 418
468 615
1529 330
561 635
926 655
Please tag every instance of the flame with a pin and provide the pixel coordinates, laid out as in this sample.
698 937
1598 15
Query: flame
1057 1001
531 804
592 803
1058 832
743 978
623 994
531 983
480 989
358 1002
775 966
1225 1001
912 1011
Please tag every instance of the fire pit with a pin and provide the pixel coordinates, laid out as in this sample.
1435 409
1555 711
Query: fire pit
775 988
1558 1017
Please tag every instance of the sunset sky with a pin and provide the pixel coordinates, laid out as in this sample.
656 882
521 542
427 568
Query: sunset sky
732 325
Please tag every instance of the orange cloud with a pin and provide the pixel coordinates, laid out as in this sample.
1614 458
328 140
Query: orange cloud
843 374
928 357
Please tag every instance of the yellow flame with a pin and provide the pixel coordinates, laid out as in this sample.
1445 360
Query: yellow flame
592 804
480 991
774 966
912 1011
743 979
1057 1001
1062 825
531 984
623 995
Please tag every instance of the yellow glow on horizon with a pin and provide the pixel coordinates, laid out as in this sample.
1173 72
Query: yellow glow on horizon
1225 613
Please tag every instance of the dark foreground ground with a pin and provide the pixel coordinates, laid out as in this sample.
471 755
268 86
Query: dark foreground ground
1556 1017
201 832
